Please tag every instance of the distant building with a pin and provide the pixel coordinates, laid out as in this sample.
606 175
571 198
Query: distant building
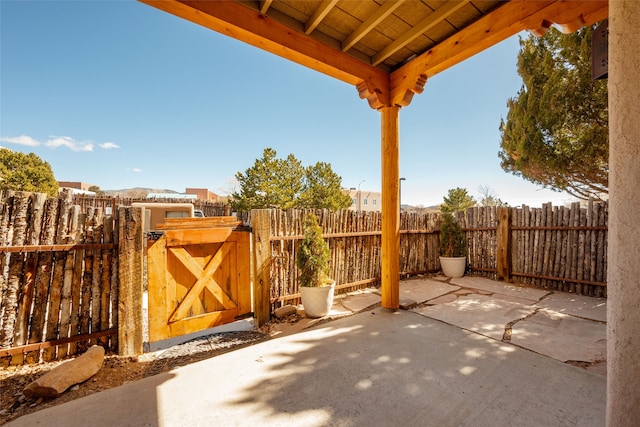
75 185
203 194
363 200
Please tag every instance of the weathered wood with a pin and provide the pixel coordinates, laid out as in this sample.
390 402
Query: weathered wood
504 244
261 224
130 254
55 343
4 240
36 211
16 264
44 271
76 285
105 296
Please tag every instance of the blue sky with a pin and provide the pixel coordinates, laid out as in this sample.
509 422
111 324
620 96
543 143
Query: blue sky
121 95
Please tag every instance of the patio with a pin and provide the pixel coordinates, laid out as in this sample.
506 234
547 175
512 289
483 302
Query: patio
467 351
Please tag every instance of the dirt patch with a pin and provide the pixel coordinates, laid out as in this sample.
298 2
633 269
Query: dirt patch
117 370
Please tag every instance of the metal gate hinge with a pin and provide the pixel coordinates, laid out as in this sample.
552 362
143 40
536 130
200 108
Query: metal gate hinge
154 235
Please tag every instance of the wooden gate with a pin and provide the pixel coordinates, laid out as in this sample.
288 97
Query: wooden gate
198 275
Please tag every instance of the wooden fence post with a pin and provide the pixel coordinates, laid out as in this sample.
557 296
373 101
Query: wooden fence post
261 225
130 277
503 239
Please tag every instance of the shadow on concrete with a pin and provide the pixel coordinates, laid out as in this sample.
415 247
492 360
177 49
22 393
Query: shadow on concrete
383 368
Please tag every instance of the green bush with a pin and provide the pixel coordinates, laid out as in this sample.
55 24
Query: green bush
453 241
312 256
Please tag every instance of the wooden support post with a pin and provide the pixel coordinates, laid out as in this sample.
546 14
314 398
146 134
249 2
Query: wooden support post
130 259
261 225
390 208
503 240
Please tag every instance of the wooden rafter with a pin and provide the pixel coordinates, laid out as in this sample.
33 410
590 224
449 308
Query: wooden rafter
380 14
264 6
319 14
423 26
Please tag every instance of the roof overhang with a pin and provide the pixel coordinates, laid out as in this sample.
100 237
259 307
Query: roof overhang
376 46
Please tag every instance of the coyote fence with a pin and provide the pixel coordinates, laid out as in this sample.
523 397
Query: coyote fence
553 247
59 284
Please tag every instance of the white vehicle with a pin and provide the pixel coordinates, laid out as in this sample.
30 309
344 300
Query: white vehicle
155 213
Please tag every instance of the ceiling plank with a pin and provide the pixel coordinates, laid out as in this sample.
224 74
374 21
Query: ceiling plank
364 28
319 14
245 24
421 27
504 22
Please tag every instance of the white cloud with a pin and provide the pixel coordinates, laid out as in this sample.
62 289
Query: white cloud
70 143
58 141
137 170
109 145
21 140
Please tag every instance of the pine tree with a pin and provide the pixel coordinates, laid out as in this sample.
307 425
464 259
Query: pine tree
556 131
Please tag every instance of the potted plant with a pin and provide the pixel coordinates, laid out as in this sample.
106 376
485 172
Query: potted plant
453 254
312 260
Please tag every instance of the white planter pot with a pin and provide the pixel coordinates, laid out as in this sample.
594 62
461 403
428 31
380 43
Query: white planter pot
317 301
453 266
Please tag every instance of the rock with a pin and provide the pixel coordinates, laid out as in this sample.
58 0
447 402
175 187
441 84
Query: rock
284 311
60 378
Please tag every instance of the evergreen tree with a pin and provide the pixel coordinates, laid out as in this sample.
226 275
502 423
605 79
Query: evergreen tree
285 183
269 183
323 189
457 200
556 133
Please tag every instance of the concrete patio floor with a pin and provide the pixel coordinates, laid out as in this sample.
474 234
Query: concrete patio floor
467 352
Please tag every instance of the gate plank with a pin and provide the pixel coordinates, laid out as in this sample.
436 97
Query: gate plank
187 237
204 279
159 300
201 322
243 251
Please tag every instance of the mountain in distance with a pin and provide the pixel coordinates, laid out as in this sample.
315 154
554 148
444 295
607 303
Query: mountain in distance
138 192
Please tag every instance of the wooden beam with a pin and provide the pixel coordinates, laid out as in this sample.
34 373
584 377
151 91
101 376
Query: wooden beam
421 27
245 24
261 223
503 241
319 14
390 249
130 272
504 22
363 29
